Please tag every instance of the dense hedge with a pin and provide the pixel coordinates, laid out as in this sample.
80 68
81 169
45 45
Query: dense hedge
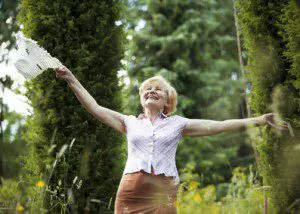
85 37
271 36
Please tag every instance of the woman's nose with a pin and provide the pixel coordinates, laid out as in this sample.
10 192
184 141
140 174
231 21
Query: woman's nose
152 90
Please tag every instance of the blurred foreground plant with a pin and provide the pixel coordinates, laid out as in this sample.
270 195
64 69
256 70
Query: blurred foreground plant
243 195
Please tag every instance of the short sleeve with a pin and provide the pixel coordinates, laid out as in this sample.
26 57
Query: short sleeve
182 121
127 119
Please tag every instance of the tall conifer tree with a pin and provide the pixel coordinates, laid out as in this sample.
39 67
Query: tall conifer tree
87 38
270 32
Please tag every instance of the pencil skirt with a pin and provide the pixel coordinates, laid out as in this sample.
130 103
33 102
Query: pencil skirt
141 193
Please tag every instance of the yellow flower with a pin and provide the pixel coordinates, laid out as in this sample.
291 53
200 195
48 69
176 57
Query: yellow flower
20 208
40 184
193 185
197 197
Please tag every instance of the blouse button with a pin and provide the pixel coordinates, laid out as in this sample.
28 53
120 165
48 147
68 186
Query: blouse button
151 146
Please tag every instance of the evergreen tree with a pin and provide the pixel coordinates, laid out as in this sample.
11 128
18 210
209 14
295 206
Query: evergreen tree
11 145
270 32
8 25
84 35
192 44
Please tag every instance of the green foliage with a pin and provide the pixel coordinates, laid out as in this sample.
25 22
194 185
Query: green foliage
244 195
271 37
9 193
11 144
192 44
291 35
8 26
84 36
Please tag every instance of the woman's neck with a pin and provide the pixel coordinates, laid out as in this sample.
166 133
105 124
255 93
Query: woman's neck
152 113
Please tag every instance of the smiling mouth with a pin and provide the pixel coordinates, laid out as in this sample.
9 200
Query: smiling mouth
152 97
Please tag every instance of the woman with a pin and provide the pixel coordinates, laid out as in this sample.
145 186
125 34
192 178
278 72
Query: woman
150 178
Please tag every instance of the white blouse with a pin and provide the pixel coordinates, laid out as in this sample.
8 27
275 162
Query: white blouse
154 144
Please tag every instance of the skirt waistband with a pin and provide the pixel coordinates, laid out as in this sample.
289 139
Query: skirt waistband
142 172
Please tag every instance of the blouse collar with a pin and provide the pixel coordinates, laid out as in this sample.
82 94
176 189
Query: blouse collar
161 115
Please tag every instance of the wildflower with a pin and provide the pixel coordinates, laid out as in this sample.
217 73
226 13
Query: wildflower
197 197
20 208
193 185
40 184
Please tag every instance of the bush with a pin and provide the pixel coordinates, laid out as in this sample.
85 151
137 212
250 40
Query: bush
243 194
9 193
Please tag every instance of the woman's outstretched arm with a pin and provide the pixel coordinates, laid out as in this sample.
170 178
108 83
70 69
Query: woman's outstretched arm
198 127
109 117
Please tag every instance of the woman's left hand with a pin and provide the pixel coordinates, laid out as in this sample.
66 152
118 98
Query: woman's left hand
271 120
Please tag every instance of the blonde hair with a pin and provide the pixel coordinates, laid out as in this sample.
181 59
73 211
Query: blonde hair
165 85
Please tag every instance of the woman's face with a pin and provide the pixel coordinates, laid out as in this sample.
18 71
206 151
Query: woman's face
154 96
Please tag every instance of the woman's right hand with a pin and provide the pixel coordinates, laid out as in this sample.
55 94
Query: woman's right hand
64 73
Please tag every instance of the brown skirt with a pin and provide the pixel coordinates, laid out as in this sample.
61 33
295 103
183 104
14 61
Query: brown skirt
141 192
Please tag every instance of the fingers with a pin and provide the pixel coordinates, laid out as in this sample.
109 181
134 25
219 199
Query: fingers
276 123
60 73
282 127
63 73
271 124
285 125
61 68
